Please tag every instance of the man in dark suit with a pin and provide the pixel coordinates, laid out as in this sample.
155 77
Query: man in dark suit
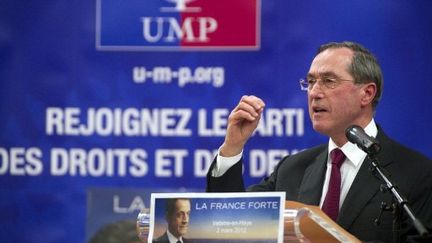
177 217
344 86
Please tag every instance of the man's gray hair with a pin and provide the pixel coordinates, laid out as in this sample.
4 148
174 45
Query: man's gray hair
364 66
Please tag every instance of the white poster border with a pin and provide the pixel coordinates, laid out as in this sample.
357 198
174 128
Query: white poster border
225 195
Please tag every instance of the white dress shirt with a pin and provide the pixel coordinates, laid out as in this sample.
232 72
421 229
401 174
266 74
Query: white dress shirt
172 238
354 159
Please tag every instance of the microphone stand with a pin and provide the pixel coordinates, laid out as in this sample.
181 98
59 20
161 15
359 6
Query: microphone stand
401 203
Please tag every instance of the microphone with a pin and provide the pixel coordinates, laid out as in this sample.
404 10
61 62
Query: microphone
356 135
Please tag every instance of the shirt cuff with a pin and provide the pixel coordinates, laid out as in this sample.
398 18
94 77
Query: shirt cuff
223 164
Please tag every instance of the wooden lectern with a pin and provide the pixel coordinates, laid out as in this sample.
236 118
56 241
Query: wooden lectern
307 223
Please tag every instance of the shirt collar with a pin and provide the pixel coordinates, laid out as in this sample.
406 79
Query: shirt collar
172 238
351 151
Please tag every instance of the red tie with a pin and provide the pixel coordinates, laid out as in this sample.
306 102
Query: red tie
331 202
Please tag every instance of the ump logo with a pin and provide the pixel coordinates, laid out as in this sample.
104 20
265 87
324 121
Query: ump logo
177 25
191 30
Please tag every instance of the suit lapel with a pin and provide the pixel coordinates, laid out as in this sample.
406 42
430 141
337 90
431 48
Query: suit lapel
311 186
364 187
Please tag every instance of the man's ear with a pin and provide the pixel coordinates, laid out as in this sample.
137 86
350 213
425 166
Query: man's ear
369 92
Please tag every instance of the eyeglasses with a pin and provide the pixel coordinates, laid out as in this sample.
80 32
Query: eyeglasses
328 82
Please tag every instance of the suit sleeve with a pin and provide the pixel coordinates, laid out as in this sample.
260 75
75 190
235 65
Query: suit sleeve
421 200
231 181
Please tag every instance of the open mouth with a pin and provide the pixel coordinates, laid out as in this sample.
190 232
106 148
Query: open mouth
318 110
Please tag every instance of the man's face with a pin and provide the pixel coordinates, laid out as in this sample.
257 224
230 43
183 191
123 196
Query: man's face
178 222
333 110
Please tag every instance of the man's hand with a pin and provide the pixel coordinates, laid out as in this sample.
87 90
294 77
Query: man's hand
242 122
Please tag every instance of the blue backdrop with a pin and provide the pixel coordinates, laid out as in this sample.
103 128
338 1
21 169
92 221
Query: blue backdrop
135 93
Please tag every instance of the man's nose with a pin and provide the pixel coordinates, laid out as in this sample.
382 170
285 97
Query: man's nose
316 91
185 218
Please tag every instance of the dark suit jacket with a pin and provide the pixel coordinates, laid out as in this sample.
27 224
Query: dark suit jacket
164 239
301 176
